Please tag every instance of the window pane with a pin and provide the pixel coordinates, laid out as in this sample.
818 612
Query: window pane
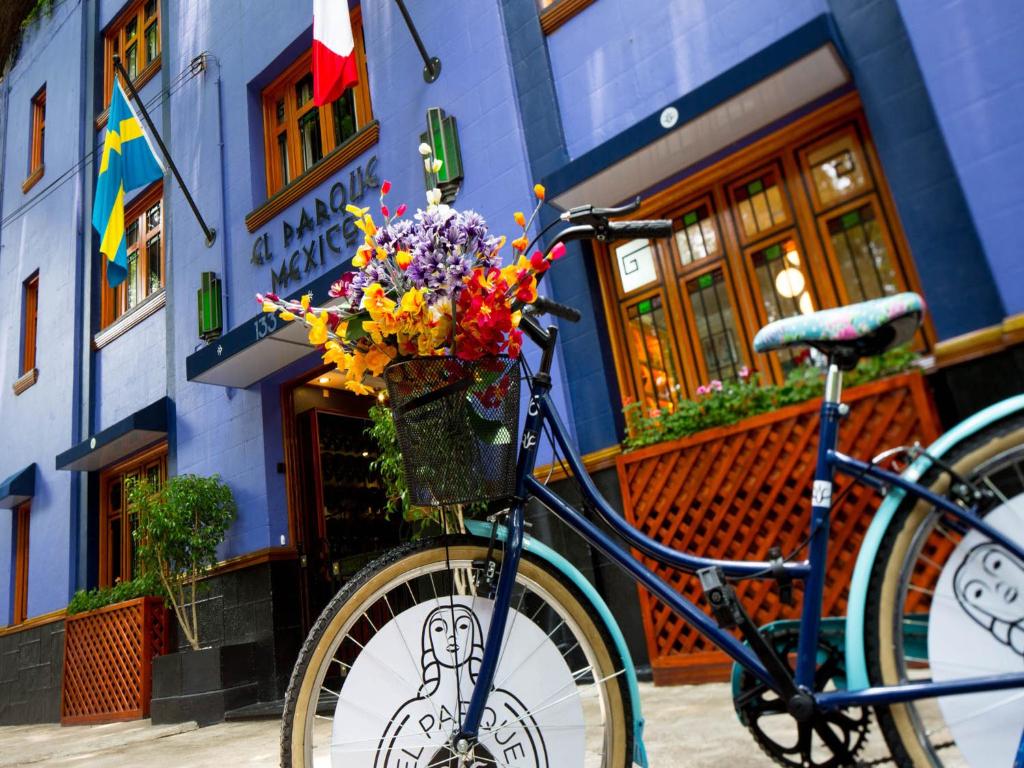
153 217
131 233
783 283
344 117
698 238
131 281
114 550
836 170
153 255
649 343
150 9
152 42
759 204
864 261
309 139
282 155
636 264
304 90
131 29
716 327
279 109
131 62
114 496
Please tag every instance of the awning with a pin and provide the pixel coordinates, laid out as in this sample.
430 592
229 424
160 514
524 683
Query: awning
18 488
258 347
788 75
130 434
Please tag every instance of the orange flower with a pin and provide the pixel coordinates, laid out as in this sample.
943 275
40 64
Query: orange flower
520 244
520 218
538 190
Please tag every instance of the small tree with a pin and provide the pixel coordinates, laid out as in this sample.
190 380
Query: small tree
180 524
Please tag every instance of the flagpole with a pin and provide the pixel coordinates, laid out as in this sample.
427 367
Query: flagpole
211 234
431 65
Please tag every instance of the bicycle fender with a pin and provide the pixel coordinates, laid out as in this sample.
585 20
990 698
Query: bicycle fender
856 663
482 530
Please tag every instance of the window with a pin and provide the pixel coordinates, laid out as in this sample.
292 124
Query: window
297 133
20 606
29 321
35 160
554 13
798 221
135 37
118 559
147 257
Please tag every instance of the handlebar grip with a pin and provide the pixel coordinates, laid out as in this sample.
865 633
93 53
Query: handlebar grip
655 228
544 306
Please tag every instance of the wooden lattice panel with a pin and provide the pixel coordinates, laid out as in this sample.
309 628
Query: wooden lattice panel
734 492
108 656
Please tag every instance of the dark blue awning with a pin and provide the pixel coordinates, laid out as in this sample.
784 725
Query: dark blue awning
18 488
130 434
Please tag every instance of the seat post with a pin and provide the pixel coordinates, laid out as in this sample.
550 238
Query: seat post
833 383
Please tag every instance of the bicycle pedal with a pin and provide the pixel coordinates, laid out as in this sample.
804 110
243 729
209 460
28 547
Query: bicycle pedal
725 608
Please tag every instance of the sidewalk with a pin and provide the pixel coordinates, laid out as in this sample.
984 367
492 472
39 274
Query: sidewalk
691 726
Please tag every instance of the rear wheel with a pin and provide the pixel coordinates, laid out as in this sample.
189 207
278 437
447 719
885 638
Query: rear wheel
392 661
944 602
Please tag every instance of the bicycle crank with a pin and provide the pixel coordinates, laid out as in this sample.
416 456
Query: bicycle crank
782 737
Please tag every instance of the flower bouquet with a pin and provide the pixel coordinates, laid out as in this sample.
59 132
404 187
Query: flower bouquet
431 310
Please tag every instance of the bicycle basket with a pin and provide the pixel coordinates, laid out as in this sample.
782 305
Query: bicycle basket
457 423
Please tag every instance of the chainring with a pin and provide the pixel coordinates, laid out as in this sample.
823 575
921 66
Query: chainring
782 738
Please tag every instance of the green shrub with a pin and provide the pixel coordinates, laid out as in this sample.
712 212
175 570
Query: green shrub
719 403
141 586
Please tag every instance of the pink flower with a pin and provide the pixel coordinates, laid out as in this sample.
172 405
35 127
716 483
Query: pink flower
743 373
558 251
703 390
654 413
401 210
715 385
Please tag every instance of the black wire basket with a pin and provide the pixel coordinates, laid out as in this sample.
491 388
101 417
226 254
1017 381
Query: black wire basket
457 424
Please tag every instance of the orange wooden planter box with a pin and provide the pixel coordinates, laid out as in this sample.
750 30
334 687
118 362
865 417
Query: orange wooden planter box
734 492
108 661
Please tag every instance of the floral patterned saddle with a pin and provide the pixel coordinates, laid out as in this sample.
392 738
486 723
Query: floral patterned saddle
856 330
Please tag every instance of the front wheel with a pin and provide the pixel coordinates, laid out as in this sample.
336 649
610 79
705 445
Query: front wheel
944 602
388 669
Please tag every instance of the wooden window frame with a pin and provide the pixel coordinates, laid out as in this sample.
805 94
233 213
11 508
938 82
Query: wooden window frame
21 550
786 151
773 164
113 301
803 159
154 456
115 34
555 13
36 166
29 323
283 86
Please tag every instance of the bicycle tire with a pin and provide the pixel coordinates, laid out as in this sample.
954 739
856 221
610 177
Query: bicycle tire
910 562
542 589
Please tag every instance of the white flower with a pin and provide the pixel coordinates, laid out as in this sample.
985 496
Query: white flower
425 149
434 196
426 164
437 165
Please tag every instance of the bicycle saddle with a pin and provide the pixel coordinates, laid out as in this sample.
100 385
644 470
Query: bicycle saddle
850 332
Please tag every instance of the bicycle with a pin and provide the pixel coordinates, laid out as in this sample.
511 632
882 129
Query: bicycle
488 648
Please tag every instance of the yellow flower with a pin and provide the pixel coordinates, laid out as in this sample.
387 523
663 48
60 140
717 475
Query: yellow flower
376 359
269 306
318 329
304 301
382 254
286 315
412 301
403 259
356 366
358 387
356 211
371 228
538 190
359 260
520 218
520 244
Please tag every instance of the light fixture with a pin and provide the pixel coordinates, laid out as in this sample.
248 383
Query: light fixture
324 380
366 454
789 282
443 138
209 305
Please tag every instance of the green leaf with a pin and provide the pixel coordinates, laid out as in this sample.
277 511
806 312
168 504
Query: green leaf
354 331
491 431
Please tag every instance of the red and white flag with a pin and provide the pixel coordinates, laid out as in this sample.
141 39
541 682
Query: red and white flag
334 54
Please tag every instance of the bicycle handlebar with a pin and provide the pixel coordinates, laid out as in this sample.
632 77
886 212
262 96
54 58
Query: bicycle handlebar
546 306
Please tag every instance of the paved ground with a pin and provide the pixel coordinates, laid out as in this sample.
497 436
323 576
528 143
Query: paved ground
688 726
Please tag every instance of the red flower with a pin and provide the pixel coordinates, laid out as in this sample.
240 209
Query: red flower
401 210
558 251
538 262
385 212
340 286
385 187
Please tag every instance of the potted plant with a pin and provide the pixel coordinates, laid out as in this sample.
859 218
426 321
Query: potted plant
111 636
729 473
180 524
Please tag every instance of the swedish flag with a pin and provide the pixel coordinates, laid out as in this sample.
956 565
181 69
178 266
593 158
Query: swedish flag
128 162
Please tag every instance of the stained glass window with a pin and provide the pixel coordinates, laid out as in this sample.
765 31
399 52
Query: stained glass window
636 264
759 204
837 170
864 260
698 237
716 326
651 350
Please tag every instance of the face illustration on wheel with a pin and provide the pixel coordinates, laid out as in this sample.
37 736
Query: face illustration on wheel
438 649
989 586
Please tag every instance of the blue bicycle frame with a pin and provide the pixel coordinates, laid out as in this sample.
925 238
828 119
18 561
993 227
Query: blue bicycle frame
541 413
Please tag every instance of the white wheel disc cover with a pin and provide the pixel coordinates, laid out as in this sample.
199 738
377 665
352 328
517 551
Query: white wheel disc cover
399 698
976 627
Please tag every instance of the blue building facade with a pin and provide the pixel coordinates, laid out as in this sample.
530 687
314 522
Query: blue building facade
600 100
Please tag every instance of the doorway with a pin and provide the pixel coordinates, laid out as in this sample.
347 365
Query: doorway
336 499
